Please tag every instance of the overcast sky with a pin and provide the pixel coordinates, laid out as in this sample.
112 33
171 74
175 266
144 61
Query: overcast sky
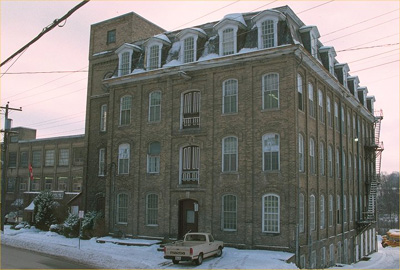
365 34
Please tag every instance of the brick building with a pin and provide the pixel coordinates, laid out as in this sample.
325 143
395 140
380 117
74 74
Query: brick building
57 165
248 128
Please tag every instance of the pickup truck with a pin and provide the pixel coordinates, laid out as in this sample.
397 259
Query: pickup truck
194 247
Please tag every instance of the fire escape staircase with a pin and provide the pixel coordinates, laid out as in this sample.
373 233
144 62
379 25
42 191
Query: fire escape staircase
374 148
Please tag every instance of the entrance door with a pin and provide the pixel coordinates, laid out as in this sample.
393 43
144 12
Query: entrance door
188 217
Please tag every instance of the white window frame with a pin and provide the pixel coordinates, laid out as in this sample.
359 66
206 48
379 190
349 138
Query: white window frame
153 160
123 157
268 89
329 111
336 112
345 209
313 226
322 158
49 159
332 254
192 106
102 161
267 15
122 211
321 114
230 92
221 39
330 217
322 212
300 94
230 154
194 163
63 157
275 215
301 153
312 156
183 50
124 68
103 117
125 107
301 212
330 161
155 107
229 216
152 210
337 163
150 58
270 148
338 209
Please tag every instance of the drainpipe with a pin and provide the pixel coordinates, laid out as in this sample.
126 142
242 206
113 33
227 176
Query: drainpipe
341 117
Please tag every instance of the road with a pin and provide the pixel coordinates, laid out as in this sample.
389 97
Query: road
15 258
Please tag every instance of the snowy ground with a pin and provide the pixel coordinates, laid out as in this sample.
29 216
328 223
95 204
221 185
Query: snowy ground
112 256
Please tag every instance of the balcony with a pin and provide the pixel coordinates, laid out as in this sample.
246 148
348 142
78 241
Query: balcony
191 122
190 177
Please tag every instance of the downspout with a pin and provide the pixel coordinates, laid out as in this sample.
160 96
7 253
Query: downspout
341 117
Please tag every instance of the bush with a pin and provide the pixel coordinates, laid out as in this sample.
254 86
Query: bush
57 228
89 223
71 226
45 210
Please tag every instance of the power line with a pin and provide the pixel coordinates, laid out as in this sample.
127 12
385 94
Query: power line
370 47
69 93
44 72
45 30
377 66
315 7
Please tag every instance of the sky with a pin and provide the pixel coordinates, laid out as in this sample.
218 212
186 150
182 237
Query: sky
49 79
112 256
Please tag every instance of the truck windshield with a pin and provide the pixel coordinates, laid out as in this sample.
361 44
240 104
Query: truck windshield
195 237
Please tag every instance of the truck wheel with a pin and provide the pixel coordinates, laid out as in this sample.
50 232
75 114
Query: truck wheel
219 252
175 261
199 259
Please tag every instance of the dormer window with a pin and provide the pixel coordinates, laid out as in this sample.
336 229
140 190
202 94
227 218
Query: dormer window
228 32
328 55
352 83
125 53
310 37
154 48
189 39
342 71
362 95
267 25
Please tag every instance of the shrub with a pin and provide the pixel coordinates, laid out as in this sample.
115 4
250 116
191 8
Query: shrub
44 211
71 226
89 223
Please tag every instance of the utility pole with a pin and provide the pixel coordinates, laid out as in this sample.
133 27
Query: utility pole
6 131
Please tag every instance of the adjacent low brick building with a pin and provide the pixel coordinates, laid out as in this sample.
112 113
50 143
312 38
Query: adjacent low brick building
247 128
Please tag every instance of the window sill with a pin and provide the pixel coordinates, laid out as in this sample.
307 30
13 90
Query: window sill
229 114
230 173
270 110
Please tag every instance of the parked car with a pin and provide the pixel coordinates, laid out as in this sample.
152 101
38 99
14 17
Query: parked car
392 238
195 247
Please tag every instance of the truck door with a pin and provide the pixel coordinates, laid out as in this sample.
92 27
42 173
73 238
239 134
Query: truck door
188 217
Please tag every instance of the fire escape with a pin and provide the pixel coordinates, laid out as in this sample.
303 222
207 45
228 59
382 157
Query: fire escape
373 150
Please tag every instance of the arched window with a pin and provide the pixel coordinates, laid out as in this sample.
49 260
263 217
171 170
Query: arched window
330 161
229 154
189 50
268 34
322 212
152 209
154 57
125 110
338 209
191 110
122 208
153 157
301 212
300 95
330 217
270 95
123 158
270 152
190 164
301 153
103 117
321 114
155 106
230 96
312 156
344 209
322 158
271 213
312 213
311 101
229 213
329 111
337 163
228 41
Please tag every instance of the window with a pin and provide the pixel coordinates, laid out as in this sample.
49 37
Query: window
350 166
77 183
330 217
312 156
24 159
229 154
62 183
312 213
111 36
191 110
322 212
339 252
268 34
351 208
336 116
337 163
63 157
229 213
301 212
153 157
230 96
328 111
321 113
190 165
343 118
301 153
125 64
125 110
22 185
154 57
12 159
123 158
49 158
270 152
78 155
228 41
155 106
321 158
330 161
311 103
13 139
48 183
36 184
152 209
271 214
302 261
338 209
11 185
331 254
314 49
188 50
270 97
348 124
102 162
103 117
344 164
300 95
313 259
323 257
122 208
36 158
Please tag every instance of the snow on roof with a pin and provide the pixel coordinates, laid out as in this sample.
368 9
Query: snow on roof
234 17
162 37
30 207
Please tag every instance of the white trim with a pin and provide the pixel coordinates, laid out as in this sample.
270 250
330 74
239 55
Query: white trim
263 212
